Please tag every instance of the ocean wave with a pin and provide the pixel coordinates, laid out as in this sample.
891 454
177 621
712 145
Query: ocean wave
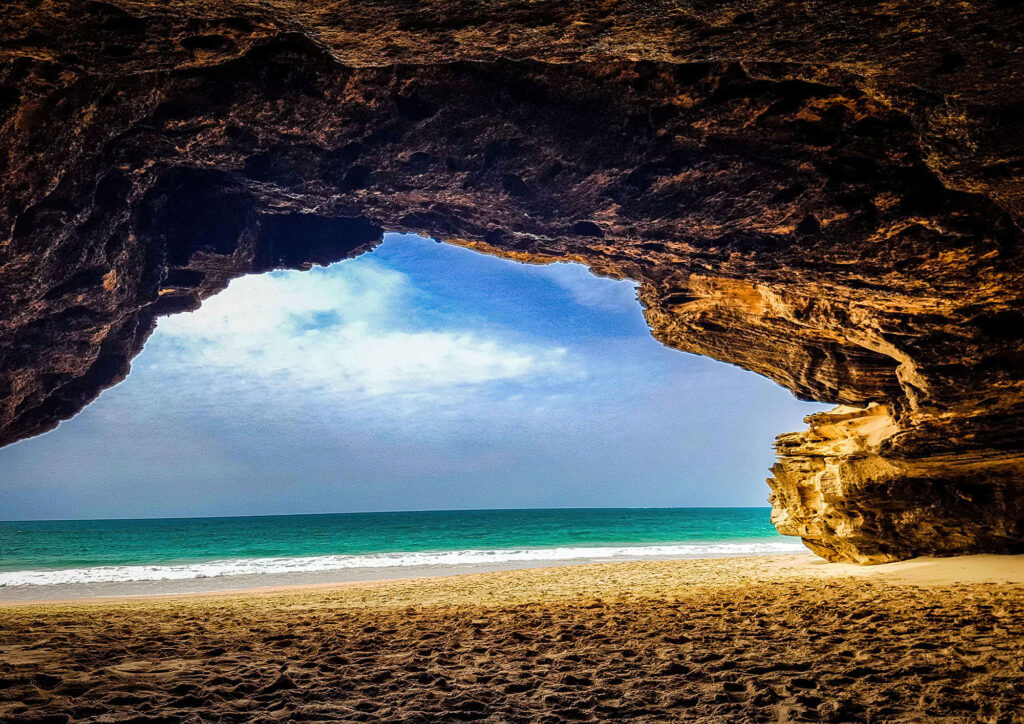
313 564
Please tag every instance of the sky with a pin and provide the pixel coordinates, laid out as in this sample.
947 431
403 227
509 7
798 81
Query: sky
420 376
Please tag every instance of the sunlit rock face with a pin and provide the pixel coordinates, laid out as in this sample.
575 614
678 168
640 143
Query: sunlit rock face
836 488
826 194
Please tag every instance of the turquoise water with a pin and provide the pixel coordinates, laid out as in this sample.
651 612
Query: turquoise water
97 551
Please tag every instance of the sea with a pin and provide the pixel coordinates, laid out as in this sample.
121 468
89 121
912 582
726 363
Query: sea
70 559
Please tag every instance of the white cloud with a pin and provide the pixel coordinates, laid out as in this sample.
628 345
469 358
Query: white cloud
345 332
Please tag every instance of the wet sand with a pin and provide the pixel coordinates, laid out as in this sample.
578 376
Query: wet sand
779 638
298 579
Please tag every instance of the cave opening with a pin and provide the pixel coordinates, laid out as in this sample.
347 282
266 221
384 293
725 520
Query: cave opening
418 376
203 313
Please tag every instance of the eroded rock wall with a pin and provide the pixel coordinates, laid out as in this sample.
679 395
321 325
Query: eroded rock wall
831 198
850 502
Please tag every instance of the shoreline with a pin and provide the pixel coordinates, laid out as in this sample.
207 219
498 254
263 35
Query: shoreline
924 571
222 583
309 580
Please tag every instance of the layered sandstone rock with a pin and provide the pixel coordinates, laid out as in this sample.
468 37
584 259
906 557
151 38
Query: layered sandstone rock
849 501
829 195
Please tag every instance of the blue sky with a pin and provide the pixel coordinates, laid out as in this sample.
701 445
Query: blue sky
419 376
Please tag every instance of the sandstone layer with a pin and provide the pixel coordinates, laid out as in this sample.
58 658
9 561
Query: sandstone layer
829 194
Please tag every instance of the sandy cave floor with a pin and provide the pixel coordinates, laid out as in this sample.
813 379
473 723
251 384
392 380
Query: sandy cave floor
779 638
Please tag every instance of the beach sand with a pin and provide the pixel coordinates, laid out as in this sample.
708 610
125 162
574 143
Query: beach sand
773 638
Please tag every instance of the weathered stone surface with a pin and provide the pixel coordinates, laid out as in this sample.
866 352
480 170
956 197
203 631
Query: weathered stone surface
829 194
848 501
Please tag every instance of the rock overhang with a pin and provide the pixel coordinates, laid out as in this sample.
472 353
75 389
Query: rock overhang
840 213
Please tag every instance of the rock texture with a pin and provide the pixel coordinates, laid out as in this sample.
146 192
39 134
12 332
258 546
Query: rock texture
829 194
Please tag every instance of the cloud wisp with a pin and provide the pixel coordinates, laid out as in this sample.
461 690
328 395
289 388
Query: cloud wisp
590 290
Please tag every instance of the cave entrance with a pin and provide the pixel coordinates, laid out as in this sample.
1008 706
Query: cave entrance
418 376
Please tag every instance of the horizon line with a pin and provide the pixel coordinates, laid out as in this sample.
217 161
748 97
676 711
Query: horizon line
384 512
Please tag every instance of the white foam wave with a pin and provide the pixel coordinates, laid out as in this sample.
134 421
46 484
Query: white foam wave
310 564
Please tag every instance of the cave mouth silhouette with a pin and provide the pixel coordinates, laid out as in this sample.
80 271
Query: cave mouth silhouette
799 217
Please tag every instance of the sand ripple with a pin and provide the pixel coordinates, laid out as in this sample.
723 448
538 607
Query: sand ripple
668 641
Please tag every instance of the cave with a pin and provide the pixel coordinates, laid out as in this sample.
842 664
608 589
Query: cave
827 194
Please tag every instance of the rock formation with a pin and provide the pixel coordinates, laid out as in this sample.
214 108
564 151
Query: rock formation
827 193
